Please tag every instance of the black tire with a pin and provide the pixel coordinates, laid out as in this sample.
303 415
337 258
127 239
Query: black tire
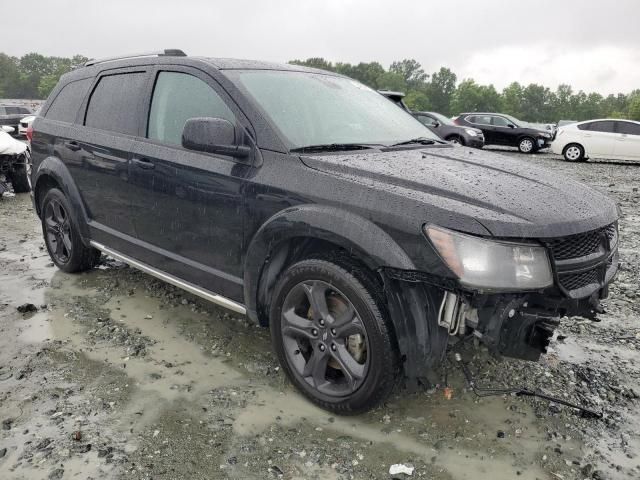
342 389
455 139
62 235
19 179
573 153
527 145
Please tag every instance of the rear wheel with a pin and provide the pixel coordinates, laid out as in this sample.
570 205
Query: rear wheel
527 145
331 336
62 236
573 153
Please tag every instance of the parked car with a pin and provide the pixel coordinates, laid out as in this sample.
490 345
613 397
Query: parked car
26 122
363 241
439 124
501 129
449 131
14 161
604 138
10 116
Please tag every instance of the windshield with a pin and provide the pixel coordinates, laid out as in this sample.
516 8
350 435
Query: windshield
442 119
316 109
514 120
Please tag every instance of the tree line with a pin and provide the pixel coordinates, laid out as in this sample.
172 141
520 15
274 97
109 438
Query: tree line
442 93
33 76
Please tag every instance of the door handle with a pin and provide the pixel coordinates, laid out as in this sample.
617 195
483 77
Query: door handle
144 163
72 145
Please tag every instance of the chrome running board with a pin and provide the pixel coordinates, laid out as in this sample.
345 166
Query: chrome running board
189 287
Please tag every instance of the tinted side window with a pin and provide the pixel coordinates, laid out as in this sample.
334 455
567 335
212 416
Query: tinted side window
628 128
606 127
585 126
2 111
500 121
178 97
114 103
480 119
66 104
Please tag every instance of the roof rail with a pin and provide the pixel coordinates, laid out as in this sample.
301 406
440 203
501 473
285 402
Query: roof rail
169 52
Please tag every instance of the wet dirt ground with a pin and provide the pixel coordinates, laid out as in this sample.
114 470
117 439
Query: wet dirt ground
117 375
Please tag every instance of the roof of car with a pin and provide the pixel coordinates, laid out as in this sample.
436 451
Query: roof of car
606 120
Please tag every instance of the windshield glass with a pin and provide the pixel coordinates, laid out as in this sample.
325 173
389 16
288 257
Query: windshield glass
316 109
442 119
515 121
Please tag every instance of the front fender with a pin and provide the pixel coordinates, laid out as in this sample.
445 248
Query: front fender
345 229
53 169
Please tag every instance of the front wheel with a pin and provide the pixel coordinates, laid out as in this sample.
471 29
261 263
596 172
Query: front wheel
526 145
455 140
62 236
19 178
573 153
331 337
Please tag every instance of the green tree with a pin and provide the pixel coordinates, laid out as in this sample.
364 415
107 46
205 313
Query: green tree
441 89
512 100
418 101
392 81
634 108
410 70
471 97
314 62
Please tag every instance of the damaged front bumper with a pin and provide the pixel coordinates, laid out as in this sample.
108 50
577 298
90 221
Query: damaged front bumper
431 310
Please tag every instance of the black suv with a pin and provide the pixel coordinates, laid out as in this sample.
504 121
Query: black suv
317 207
501 129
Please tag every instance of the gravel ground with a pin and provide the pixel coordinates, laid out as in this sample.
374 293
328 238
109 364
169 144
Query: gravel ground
113 374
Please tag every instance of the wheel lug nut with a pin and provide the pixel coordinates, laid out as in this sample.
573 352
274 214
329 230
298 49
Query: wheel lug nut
314 331
322 347
333 347
333 331
321 323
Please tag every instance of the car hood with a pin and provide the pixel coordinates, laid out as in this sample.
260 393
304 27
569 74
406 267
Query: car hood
510 198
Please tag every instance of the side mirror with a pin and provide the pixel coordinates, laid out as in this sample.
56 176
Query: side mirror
8 129
436 124
214 135
511 125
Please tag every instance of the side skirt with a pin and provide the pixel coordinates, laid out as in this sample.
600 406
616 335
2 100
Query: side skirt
189 287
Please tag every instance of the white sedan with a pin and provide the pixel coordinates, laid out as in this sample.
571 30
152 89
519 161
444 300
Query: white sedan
606 138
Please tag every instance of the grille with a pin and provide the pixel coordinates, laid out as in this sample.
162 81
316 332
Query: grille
581 245
579 280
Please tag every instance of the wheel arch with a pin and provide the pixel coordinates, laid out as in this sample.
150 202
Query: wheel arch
302 231
53 173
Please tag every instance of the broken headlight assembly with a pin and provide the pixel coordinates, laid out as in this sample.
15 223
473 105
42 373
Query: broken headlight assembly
492 264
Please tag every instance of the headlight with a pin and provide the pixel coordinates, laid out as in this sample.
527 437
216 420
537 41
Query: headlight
473 133
492 264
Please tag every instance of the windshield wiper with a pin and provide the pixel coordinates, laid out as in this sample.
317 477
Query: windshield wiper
332 147
419 140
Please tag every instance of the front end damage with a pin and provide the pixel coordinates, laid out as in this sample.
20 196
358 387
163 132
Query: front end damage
430 312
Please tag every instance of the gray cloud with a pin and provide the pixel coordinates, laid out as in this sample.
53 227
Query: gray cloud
473 38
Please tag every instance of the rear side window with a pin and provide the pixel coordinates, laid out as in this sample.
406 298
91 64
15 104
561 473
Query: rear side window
606 127
178 97
480 119
628 128
66 104
2 111
113 106
17 111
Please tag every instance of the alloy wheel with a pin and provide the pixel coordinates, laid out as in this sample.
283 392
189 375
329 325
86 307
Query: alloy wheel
58 231
324 338
526 145
573 153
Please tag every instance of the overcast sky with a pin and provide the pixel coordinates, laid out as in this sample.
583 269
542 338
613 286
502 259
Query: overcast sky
590 44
